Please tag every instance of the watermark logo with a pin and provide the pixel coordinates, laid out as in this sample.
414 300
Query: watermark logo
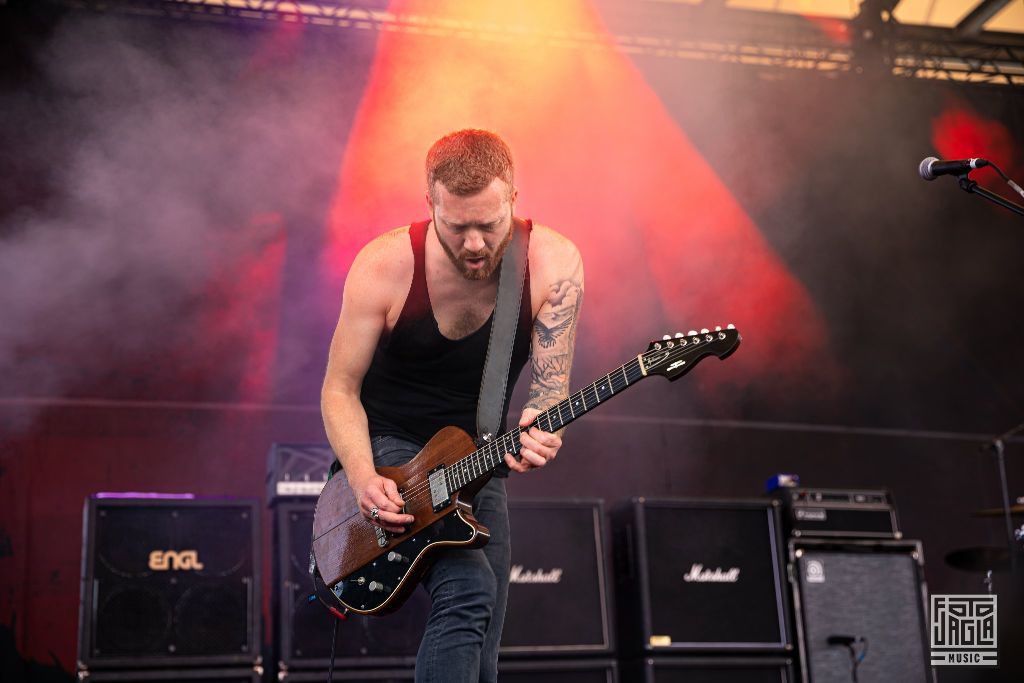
964 630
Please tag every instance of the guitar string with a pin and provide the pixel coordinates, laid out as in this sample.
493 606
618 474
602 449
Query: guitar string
488 452
420 492
489 456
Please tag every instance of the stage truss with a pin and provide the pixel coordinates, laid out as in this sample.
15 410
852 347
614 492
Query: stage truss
871 43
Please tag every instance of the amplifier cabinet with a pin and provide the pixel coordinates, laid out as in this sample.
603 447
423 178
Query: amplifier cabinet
169 582
303 628
558 602
526 671
559 671
839 513
229 675
297 470
711 670
700 575
873 590
388 675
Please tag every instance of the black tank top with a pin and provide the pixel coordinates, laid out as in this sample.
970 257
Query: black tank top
420 381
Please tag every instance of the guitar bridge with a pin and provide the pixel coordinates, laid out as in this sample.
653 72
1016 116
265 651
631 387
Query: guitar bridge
440 497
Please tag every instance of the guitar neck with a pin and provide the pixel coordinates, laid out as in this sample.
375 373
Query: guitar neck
488 457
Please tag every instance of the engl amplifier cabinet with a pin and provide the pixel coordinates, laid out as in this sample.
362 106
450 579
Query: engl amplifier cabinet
169 581
557 600
700 575
871 591
711 670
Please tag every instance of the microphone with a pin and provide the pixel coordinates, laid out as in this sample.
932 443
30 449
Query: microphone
842 640
931 168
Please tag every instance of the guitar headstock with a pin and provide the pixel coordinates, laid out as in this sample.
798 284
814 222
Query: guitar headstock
673 356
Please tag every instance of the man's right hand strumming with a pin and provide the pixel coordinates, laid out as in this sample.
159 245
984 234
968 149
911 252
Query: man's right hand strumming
380 503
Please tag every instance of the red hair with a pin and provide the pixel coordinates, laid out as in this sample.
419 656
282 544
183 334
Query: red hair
466 162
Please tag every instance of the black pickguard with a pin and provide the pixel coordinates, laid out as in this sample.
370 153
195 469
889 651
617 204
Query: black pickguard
373 584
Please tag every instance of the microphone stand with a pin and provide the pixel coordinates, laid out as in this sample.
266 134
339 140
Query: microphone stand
998 445
971 187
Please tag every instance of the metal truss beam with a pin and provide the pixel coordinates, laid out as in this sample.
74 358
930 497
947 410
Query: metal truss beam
711 32
972 24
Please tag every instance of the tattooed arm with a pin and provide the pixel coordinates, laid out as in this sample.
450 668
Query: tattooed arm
553 341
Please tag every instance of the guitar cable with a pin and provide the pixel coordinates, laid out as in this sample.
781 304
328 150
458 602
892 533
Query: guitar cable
334 644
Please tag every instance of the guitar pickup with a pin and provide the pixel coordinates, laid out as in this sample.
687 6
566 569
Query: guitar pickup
440 497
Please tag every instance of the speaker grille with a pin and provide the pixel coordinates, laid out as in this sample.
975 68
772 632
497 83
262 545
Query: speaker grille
557 599
714 670
702 575
169 582
863 589
303 629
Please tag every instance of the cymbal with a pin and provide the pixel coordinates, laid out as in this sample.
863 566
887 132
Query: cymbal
979 559
1017 509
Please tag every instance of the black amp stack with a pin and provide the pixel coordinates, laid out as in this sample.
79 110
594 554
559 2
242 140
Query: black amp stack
558 625
812 585
701 588
170 589
858 587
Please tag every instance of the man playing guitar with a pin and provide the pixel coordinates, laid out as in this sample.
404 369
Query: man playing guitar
406 360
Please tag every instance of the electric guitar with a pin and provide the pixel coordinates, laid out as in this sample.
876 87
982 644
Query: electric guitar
359 567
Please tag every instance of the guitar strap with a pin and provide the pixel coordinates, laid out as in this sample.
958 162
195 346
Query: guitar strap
491 406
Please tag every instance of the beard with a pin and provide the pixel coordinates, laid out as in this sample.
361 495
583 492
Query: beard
491 261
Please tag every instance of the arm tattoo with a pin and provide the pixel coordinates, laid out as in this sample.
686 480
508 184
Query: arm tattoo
554 336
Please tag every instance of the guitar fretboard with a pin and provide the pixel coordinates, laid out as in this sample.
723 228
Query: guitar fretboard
488 457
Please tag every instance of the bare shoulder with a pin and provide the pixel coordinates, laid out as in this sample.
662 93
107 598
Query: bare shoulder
386 260
553 256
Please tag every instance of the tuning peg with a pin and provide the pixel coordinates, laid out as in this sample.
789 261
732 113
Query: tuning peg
691 333
704 330
718 328
730 326
679 335
666 337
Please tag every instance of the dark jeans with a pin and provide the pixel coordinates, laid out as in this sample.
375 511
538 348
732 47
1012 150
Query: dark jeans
468 588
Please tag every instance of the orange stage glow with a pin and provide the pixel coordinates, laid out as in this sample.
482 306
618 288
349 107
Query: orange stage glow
598 158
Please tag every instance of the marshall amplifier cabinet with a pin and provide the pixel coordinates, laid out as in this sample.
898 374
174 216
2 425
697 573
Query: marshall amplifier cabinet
297 471
558 671
839 513
303 628
557 597
169 581
700 575
712 670
870 594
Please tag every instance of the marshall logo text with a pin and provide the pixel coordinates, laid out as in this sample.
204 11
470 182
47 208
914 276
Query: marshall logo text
519 575
698 574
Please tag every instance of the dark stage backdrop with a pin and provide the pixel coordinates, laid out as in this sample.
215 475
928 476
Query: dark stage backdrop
182 201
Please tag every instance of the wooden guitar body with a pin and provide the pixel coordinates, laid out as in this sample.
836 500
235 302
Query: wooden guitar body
370 571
